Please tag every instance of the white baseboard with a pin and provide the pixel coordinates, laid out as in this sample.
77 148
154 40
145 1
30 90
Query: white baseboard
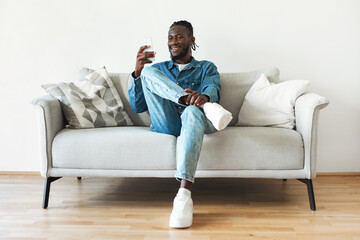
35 173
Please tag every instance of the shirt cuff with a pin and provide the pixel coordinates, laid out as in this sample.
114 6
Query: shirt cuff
212 93
135 83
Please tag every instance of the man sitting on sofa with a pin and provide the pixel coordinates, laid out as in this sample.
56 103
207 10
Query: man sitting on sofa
174 92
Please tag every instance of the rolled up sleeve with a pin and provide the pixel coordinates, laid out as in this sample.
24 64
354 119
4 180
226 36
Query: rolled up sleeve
136 95
211 84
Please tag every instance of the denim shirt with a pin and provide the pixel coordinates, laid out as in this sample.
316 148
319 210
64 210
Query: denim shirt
200 76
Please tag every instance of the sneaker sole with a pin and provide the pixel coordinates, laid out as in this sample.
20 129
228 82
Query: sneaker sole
180 224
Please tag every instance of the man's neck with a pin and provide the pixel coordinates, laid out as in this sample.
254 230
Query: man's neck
184 60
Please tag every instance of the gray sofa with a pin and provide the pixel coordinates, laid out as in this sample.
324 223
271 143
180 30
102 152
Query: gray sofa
240 152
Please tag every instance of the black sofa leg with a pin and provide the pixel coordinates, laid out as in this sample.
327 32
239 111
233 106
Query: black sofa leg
310 189
48 182
78 178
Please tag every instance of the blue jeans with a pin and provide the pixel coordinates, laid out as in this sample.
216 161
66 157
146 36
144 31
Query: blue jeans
168 116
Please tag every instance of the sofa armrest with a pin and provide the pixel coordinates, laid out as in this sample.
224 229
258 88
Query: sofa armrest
307 109
50 121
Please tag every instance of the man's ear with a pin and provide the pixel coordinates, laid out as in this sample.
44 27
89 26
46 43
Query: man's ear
192 40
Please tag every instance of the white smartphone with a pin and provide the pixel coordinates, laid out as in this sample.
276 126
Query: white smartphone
148 41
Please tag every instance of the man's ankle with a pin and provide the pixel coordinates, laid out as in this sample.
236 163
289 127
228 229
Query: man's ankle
186 184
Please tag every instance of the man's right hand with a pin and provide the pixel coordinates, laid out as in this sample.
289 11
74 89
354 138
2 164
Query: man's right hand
142 59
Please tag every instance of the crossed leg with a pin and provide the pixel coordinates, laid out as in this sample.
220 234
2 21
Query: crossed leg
188 123
171 117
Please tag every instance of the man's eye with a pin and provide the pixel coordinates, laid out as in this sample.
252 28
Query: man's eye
179 37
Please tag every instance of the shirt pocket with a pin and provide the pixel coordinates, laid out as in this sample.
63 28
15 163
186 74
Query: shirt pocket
194 83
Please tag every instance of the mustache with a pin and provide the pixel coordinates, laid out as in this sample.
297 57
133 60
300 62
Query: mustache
182 54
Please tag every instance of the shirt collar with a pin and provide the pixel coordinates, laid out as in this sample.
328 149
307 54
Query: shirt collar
194 63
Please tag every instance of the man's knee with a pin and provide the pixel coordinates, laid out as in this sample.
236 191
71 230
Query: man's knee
193 113
148 71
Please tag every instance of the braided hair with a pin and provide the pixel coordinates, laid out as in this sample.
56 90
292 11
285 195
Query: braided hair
189 28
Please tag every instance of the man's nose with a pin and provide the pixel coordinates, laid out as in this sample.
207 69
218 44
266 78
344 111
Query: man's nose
173 41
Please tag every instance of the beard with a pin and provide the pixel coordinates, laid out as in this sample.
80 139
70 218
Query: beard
182 54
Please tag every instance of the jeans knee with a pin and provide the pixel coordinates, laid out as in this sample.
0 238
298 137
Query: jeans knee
148 71
193 113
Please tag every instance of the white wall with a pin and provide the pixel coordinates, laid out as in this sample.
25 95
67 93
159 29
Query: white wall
49 41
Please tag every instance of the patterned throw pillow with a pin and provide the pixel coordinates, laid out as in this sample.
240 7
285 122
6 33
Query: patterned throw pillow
91 102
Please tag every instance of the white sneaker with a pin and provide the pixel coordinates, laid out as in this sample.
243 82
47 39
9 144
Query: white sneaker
219 116
182 213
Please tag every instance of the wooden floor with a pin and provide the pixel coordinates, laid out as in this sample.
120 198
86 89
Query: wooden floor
125 208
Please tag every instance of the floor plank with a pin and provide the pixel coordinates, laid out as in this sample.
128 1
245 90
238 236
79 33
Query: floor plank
139 208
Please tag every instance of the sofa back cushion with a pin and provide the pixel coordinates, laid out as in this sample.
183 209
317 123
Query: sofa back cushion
234 87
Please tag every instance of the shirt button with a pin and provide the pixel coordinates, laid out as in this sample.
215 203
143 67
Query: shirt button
192 84
177 83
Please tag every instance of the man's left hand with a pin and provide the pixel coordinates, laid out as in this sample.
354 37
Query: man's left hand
195 98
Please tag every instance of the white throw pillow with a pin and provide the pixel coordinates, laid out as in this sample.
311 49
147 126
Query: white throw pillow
269 104
91 102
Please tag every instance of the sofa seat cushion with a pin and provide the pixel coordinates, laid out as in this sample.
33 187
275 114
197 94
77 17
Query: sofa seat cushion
252 148
114 148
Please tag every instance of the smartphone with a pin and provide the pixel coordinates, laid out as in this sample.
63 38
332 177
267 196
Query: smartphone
148 41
